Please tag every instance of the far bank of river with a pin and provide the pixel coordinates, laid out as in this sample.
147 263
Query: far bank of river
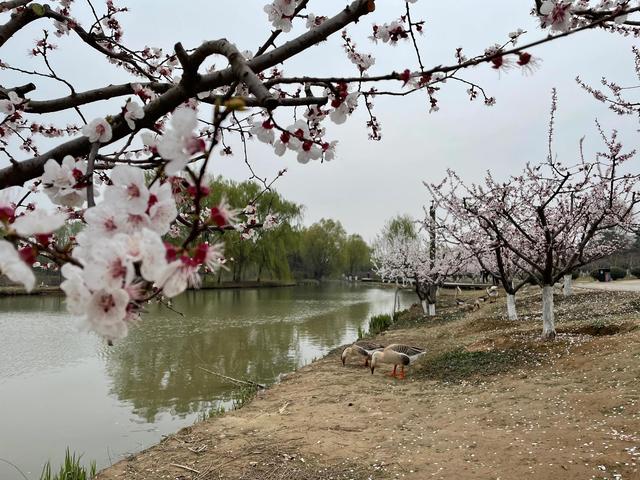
60 387
9 290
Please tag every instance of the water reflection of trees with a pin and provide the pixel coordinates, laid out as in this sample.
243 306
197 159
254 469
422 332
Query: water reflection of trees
253 334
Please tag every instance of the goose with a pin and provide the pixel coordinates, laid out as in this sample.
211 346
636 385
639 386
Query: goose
397 354
361 347
459 302
492 293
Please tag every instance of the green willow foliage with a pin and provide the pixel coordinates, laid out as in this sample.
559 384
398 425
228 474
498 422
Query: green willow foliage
290 250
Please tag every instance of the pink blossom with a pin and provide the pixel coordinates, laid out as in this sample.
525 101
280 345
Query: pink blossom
556 14
99 130
64 183
129 192
223 215
264 131
161 208
38 222
14 267
106 313
8 106
180 143
132 112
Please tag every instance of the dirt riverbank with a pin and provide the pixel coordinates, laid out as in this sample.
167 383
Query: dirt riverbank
490 401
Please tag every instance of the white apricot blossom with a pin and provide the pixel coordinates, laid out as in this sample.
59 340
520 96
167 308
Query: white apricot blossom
98 130
8 105
180 143
133 111
38 222
64 183
14 267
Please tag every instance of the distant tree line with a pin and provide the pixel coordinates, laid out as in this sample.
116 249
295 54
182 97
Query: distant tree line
290 250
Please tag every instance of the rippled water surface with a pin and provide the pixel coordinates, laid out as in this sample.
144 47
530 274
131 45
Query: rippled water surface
60 387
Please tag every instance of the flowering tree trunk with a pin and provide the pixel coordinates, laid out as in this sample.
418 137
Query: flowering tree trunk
548 323
512 314
567 287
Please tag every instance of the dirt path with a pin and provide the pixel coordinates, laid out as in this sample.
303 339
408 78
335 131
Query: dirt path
618 285
490 402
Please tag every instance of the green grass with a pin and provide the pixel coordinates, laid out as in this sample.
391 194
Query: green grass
239 398
379 323
458 365
243 396
212 412
71 469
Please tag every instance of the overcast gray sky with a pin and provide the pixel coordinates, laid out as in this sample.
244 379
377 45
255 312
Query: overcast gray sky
372 181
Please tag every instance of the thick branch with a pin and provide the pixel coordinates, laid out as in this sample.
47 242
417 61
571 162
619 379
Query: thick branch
28 169
11 4
239 66
17 21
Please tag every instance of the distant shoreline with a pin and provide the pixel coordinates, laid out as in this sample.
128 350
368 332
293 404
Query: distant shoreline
10 291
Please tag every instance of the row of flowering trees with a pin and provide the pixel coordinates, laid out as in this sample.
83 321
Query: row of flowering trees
137 171
534 227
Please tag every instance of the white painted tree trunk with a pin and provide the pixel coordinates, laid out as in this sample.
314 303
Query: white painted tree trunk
432 309
548 324
511 307
568 286
424 306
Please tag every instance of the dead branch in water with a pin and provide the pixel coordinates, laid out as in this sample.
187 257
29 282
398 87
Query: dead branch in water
235 380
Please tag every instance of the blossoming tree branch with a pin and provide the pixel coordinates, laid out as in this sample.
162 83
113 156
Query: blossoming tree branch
135 177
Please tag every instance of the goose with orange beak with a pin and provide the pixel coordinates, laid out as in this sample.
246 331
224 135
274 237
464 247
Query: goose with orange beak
397 354
361 347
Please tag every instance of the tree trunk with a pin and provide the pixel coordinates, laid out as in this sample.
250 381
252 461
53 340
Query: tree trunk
432 309
424 306
567 290
259 273
396 304
548 324
511 307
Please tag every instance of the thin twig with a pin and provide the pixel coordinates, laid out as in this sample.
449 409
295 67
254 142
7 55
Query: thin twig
185 467
244 382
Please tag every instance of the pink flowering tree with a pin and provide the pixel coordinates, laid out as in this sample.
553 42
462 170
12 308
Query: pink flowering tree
136 173
479 239
553 218
425 258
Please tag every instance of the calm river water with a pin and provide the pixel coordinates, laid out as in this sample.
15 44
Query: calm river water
60 387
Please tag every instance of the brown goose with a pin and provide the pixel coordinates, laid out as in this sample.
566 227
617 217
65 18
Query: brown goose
361 347
397 354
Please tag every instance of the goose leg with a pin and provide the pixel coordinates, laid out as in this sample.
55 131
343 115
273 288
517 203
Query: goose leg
394 371
401 376
366 362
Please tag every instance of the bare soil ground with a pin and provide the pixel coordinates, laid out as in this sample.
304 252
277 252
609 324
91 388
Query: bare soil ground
490 401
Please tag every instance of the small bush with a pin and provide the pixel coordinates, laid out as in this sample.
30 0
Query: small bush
617 273
70 470
244 395
379 323
575 274
635 272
